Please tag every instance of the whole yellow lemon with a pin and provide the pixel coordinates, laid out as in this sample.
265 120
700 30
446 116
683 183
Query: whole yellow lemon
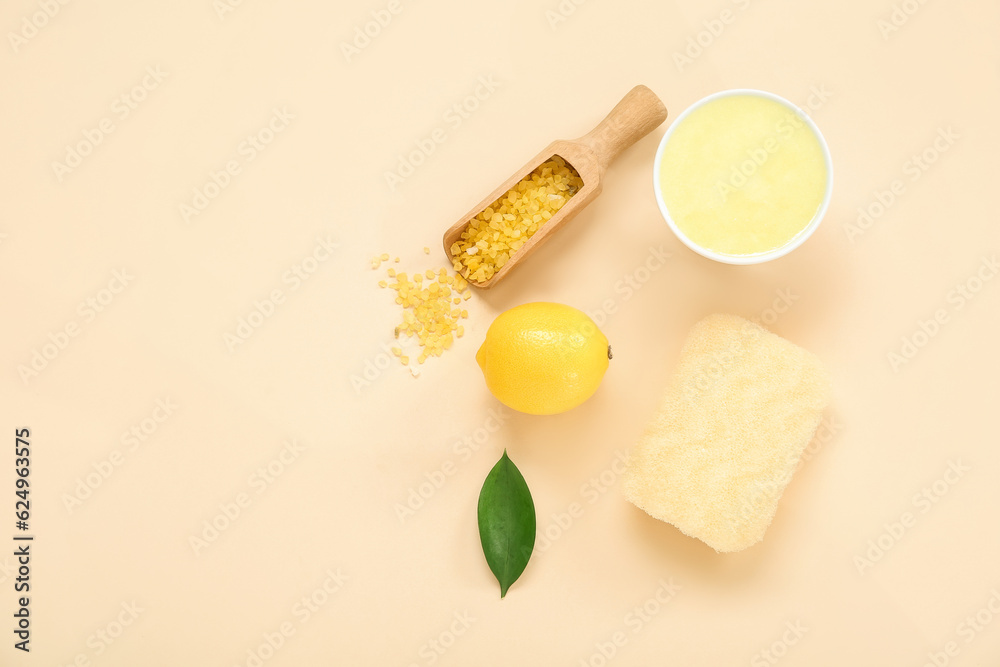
543 358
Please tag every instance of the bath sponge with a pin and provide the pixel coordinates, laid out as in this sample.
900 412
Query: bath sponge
738 413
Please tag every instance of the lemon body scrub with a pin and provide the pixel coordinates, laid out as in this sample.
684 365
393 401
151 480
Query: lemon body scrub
743 176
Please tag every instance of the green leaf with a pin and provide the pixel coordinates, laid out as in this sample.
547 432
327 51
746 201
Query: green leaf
506 522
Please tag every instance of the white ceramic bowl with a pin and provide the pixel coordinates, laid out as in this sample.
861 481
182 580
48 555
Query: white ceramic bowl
798 239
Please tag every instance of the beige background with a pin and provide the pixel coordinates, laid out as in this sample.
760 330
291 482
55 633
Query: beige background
885 96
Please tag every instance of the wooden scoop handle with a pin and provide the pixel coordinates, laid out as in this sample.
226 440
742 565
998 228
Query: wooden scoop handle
633 118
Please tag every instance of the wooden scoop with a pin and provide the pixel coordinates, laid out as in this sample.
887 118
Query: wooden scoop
633 118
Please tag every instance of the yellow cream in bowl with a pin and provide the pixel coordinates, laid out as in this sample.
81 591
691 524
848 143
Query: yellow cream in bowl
742 175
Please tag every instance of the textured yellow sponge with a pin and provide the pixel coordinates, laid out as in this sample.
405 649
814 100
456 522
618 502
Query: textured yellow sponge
729 434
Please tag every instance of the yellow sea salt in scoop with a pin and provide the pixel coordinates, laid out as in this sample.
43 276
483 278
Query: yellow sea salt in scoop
569 176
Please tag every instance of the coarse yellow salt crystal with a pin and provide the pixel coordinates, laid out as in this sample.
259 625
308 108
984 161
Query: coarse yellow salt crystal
428 315
518 214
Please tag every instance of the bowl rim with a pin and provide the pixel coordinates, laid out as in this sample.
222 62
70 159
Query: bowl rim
796 240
